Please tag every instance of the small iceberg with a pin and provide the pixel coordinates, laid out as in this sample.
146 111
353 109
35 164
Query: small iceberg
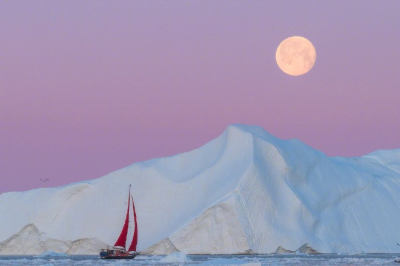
51 253
177 257
303 250
306 249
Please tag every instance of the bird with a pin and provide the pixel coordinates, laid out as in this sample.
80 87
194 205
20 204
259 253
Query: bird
44 180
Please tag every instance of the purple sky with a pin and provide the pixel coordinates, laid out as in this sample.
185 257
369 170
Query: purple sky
88 87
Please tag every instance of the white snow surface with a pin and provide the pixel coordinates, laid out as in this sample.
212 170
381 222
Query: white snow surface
245 191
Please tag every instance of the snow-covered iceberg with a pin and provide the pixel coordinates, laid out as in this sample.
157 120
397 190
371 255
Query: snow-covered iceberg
244 192
163 247
30 241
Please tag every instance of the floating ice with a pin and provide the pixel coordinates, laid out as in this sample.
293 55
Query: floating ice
175 258
252 260
224 261
51 253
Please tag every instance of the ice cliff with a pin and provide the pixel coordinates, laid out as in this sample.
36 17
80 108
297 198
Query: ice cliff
245 191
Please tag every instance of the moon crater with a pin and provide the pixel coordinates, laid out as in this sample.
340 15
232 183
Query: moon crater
295 55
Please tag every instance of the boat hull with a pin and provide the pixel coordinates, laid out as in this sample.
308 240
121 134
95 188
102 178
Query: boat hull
117 255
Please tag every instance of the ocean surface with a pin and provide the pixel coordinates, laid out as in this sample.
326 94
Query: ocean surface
247 260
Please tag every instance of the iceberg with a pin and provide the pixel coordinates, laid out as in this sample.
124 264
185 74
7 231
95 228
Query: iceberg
164 247
244 192
304 249
30 241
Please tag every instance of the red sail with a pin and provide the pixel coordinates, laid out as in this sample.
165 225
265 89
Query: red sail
122 237
133 245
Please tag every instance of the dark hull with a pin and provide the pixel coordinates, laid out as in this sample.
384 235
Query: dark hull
122 257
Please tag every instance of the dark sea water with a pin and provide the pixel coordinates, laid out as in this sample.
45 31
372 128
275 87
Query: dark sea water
247 260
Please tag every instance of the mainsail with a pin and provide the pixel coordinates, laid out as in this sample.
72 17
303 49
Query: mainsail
122 237
133 245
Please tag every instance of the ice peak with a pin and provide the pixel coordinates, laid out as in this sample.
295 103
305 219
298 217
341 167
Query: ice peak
255 131
29 228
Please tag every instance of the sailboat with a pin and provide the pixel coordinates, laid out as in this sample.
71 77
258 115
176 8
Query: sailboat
119 251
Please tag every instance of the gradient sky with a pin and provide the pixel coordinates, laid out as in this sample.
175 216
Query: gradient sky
88 87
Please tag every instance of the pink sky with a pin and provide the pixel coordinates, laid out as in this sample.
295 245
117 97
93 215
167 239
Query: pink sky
88 87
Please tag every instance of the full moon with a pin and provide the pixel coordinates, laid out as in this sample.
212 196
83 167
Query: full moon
295 55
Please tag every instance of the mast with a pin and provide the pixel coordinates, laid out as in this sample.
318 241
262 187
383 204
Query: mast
122 237
133 245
